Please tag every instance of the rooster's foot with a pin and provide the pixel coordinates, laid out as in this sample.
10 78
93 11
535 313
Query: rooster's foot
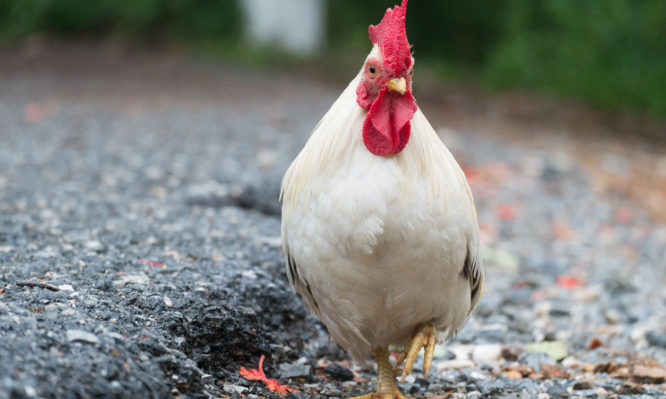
386 385
425 337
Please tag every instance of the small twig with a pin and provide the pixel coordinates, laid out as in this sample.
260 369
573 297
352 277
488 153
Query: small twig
40 285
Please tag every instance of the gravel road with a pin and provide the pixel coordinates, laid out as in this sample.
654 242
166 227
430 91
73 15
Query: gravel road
140 252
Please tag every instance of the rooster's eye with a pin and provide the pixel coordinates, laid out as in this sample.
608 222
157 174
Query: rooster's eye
372 70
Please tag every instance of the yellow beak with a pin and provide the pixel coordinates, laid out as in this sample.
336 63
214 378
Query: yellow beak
397 84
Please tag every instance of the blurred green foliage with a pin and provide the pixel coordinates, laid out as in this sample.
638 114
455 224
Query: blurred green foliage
136 19
611 52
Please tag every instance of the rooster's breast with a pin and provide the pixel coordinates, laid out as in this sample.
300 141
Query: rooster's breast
373 255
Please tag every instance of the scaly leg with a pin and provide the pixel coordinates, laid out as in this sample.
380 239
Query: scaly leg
386 386
425 337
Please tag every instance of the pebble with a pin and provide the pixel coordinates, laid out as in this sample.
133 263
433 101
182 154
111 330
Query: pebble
512 352
435 388
238 389
558 391
66 287
140 279
453 364
474 395
82 336
93 245
296 369
486 354
30 391
90 301
249 275
115 335
338 372
656 338
571 362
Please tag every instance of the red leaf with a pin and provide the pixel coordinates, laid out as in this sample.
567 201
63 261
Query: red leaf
623 215
506 212
258 374
473 176
562 230
151 262
569 282
595 343
33 112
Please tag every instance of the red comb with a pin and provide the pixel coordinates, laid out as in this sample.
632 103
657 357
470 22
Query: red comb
391 37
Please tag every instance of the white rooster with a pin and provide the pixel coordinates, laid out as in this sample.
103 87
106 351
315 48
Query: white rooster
379 228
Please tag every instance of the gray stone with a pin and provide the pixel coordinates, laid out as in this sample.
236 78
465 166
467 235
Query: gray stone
295 369
82 336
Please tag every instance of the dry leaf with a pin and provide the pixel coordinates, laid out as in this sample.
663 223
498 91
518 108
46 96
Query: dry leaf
258 374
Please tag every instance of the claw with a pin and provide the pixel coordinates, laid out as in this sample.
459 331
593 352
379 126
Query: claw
425 337
386 386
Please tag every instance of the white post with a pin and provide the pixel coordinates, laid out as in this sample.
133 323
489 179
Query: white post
294 25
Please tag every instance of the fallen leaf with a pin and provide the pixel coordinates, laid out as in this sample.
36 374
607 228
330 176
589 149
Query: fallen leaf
630 389
512 351
607 367
655 375
444 396
522 369
258 374
569 282
513 374
152 263
33 112
623 215
473 176
500 257
562 230
555 349
552 371
582 385
174 254
595 343
487 234
506 212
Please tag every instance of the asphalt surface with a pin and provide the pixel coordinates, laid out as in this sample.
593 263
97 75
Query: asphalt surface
140 252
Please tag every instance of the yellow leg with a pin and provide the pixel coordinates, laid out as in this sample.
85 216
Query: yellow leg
425 337
386 386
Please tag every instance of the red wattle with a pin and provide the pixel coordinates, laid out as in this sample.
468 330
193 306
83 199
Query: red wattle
386 128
